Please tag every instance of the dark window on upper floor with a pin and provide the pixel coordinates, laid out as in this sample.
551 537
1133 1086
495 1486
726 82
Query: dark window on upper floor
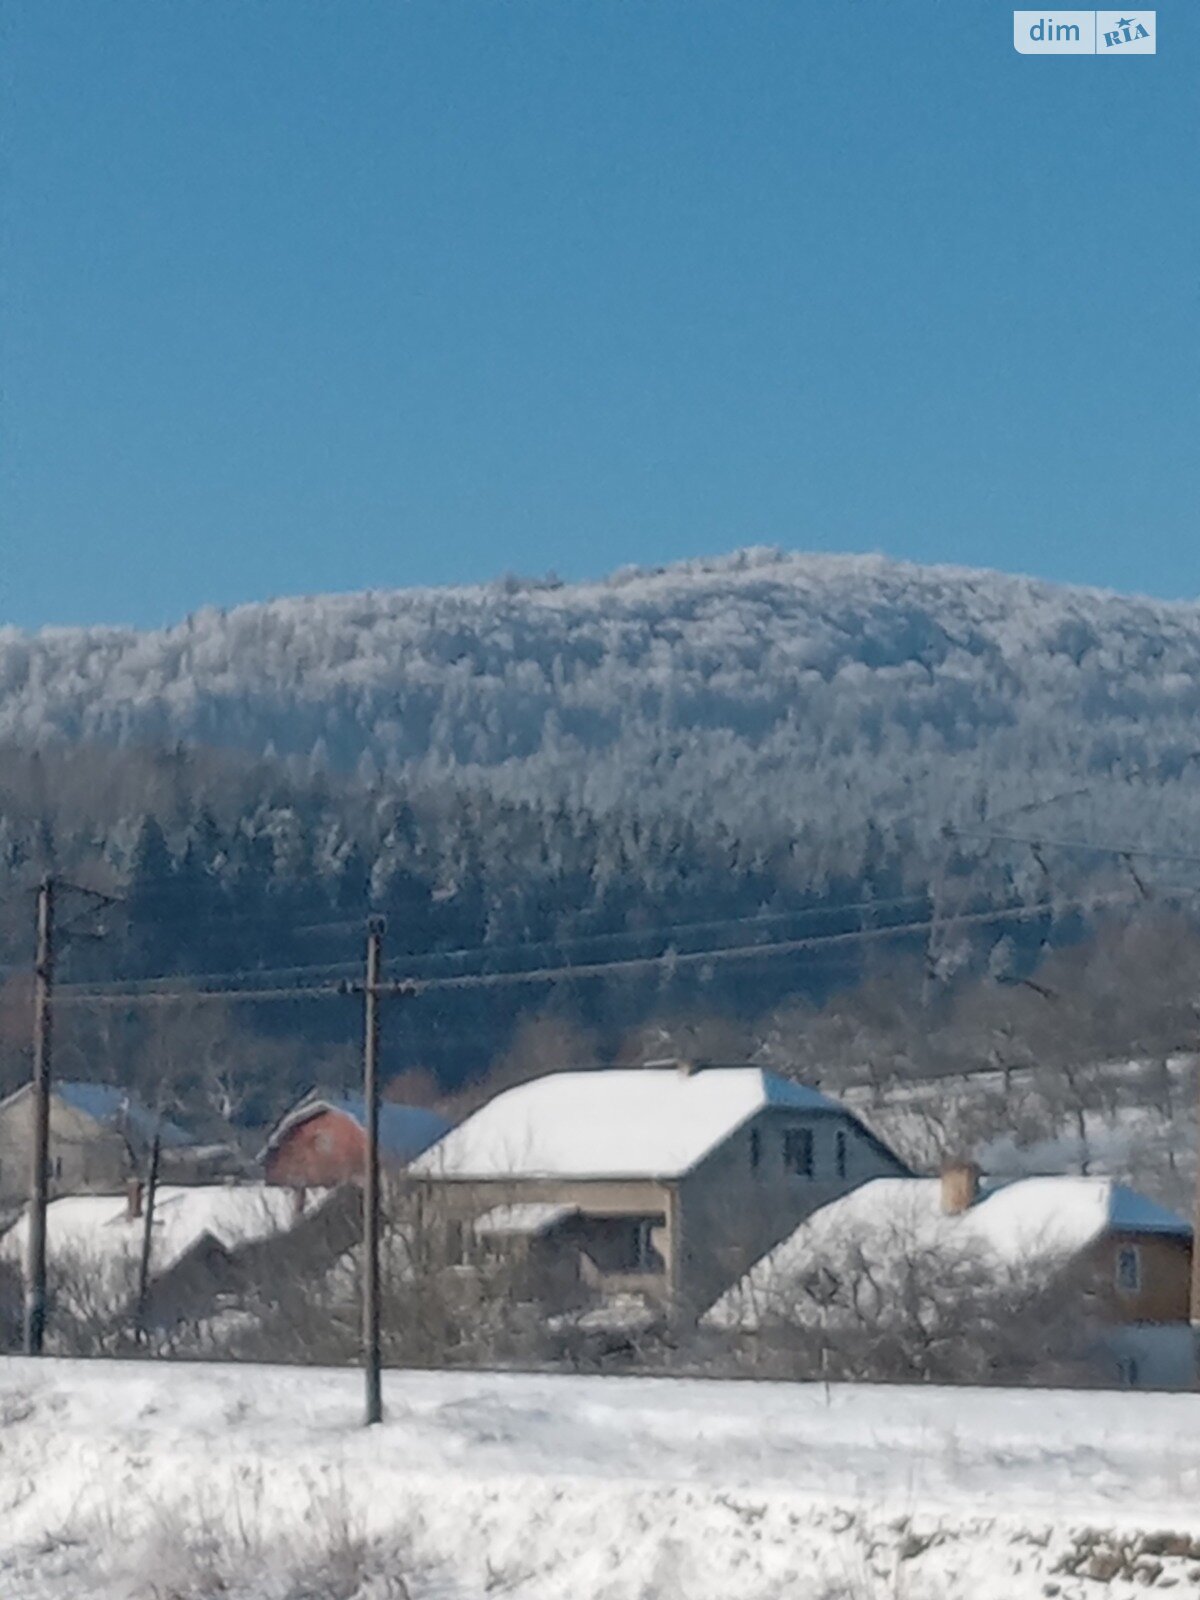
755 1148
798 1152
839 1152
1129 1269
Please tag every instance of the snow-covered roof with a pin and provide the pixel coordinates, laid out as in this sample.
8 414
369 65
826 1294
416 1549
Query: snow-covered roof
530 1217
620 1122
404 1131
99 1229
1027 1224
1067 1213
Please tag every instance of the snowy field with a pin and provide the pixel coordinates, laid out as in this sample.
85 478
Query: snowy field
123 1481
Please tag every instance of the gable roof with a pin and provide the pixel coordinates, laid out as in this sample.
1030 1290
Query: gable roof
1065 1214
1031 1223
404 1131
637 1122
115 1108
97 1230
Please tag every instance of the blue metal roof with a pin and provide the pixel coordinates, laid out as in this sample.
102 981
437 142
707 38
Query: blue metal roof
116 1108
404 1131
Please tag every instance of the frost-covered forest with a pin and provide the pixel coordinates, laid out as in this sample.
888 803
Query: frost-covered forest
771 690
736 752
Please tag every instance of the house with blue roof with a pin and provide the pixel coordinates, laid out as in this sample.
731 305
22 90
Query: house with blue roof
100 1136
321 1142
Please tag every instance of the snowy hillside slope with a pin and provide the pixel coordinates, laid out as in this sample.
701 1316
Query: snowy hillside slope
902 692
126 1479
1128 1120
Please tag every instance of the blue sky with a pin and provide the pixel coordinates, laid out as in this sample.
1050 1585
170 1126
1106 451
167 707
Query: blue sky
306 296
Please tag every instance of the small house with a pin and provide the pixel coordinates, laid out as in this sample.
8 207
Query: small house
322 1142
1111 1258
100 1136
94 1245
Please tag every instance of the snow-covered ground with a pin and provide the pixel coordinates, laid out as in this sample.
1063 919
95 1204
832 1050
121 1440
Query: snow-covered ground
148 1480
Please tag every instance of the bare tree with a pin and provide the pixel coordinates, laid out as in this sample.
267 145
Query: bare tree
900 1308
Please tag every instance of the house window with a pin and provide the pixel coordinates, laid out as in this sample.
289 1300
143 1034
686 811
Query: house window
1129 1269
623 1244
798 1152
645 1257
755 1147
839 1152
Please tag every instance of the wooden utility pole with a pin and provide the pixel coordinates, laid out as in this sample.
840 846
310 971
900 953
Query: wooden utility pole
147 1232
372 1356
1195 1298
39 1184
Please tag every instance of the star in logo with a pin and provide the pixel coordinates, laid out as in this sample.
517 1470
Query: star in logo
1126 22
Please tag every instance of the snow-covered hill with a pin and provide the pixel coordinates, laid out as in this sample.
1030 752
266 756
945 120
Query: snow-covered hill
763 686
121 1480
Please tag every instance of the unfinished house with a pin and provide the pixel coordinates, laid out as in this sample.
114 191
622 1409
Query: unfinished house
664 1181
100 1135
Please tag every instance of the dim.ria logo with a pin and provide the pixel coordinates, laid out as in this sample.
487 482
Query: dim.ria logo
1084 33
1125 31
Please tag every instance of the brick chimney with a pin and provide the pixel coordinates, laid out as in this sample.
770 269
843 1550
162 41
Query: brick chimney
133 1199
684 1067
960 1187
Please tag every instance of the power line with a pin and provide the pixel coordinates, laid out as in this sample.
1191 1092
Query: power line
333 968
667 963
674 959
199 996
150 986
1080 845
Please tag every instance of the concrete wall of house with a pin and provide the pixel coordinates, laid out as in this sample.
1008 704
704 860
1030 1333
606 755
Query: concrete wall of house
465 1198
597 1198
320 1152
1150 1356
744 1199
716 1221
85 1157
1165 1269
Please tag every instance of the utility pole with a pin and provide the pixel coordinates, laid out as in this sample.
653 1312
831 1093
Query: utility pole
39 1187
148 1233
1195 1297
372 1357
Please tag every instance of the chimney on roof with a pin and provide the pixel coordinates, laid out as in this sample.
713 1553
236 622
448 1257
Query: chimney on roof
960 1187
133 1199
685 1068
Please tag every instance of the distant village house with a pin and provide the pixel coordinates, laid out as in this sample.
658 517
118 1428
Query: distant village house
322 1141
100 1137
666 1181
